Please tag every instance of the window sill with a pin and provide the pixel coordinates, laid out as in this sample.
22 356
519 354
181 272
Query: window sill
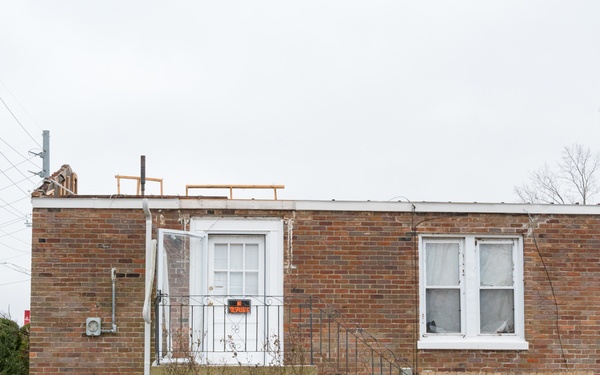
473 343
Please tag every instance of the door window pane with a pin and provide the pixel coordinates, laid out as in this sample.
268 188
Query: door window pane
237 256
220 283
252 283
221 256
252 256
236 283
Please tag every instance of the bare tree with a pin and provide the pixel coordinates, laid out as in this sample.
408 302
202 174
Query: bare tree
573 180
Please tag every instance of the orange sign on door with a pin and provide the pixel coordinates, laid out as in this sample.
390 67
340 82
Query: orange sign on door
238 306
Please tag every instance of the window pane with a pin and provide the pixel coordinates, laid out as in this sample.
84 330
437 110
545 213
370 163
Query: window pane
252 283
442 264
443 310
496 264
497 311
177 252
252 256
220 281
237 256
221 256
236 283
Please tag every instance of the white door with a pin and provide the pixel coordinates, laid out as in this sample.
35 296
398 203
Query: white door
236 299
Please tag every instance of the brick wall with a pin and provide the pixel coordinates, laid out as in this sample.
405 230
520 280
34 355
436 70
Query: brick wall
362 263
72 254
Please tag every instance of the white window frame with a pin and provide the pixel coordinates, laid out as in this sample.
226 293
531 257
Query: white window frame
469 337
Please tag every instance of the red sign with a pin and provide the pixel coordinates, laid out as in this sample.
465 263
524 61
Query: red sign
240 306
27 317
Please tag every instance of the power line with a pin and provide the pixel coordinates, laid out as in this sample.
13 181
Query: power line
18 182
10 179
24 177
16 212
20 105
17 152
16 282
11 222
15 249
13 257
13 183
18 122
11 233
16 267
537 248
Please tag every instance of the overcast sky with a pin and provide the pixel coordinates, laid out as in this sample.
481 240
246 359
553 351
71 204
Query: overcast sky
346 100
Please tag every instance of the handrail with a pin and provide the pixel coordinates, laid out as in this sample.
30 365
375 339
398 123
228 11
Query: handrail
375 355
234 186
319 334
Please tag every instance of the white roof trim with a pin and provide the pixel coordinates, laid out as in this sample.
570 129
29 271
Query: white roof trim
365 206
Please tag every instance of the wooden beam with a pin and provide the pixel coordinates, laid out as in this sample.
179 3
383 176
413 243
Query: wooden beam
231 187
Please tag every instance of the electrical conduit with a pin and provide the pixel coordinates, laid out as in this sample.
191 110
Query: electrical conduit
113 276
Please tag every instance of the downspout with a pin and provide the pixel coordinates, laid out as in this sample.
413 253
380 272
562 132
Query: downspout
150 260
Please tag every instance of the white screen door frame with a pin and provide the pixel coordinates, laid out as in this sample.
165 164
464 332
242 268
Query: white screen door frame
175 248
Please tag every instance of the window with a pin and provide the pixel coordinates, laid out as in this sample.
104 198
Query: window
237 263
471 293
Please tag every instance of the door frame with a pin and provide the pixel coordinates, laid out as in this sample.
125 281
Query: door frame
272 232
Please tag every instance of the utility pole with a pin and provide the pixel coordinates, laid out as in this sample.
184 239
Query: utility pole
45 155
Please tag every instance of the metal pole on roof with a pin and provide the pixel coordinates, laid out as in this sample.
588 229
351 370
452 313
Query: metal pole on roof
143 174
46 154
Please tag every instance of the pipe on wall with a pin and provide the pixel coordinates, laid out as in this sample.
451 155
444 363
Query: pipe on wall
113 276
149 285
150 261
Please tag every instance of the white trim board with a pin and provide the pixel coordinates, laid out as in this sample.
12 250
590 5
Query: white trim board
312 205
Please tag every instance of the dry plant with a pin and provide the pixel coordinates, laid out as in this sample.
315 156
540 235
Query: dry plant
292 361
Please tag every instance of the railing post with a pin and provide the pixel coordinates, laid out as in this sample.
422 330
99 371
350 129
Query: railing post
347 352
356 353
312 362
157 343
372 362
338 345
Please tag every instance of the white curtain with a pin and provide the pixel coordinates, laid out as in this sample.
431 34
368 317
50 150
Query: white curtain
443 288
496 298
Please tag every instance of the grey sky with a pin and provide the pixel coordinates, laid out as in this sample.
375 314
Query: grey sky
430 100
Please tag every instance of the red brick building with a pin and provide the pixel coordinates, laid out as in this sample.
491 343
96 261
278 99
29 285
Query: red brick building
368 287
